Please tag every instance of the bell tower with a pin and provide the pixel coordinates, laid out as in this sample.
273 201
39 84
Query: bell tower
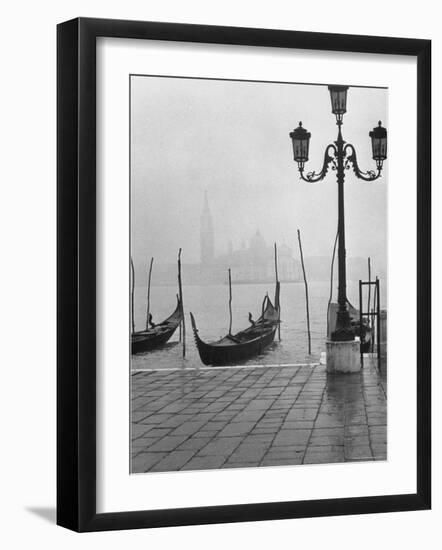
206 234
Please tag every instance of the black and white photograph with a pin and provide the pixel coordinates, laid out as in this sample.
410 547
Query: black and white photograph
258 269
221 275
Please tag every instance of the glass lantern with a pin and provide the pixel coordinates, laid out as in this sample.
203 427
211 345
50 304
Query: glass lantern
300 141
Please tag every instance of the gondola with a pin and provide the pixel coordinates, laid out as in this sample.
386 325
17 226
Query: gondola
235 348
365 335
154 337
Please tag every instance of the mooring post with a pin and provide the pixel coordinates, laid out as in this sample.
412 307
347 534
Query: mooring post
373 316
180 290
378 323
263 308
361 317
180 328
278 305
148 294
132 269
230 302
306 294
370 320
331 283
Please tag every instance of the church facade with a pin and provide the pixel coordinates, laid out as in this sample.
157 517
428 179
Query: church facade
252 263
207 236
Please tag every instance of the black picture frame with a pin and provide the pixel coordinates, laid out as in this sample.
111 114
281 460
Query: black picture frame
77 287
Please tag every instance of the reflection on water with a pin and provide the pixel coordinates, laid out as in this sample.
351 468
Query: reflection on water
209 304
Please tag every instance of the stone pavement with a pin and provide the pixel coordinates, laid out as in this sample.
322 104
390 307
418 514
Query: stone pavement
248 417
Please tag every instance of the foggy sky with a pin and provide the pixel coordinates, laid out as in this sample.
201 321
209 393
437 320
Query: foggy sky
232 139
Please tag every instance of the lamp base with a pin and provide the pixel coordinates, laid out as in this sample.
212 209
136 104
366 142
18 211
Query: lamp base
343 332
343 356
343 335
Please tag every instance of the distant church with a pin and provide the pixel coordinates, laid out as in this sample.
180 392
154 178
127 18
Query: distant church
207 240
254 263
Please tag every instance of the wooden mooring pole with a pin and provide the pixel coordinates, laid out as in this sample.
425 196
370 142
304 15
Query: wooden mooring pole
230 301
180 328
148 294
369 294
361 320
378 323
278 305
180 290
331 283
132 270
306 294
263 308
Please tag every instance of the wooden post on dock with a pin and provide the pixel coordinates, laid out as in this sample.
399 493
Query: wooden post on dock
148 294
331 284
180 290
230 302
278 305
263 308
306 294
369 308
361 321
378 323
372 316
180 328
132 270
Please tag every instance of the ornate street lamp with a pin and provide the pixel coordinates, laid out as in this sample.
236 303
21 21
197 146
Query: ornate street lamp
338 98
379 144
341 156
300 140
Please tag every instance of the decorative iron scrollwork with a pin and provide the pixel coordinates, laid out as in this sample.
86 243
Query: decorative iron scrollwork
314 177
351 159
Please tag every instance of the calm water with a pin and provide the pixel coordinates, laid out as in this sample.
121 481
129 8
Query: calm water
209 304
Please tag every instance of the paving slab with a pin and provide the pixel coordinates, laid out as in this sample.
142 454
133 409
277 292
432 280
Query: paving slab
144 462
222 446
175 460
204 463
253 417
292 437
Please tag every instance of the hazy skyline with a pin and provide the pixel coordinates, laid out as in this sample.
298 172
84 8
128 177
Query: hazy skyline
231 139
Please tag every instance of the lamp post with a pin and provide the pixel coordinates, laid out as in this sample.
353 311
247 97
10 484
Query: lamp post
340 156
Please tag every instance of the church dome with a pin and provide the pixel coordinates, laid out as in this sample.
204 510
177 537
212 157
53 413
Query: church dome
257 242
258 247
285 250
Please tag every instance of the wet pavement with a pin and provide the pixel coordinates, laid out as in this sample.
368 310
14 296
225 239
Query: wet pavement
256 416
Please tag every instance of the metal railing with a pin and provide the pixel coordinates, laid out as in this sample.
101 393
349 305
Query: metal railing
372 317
